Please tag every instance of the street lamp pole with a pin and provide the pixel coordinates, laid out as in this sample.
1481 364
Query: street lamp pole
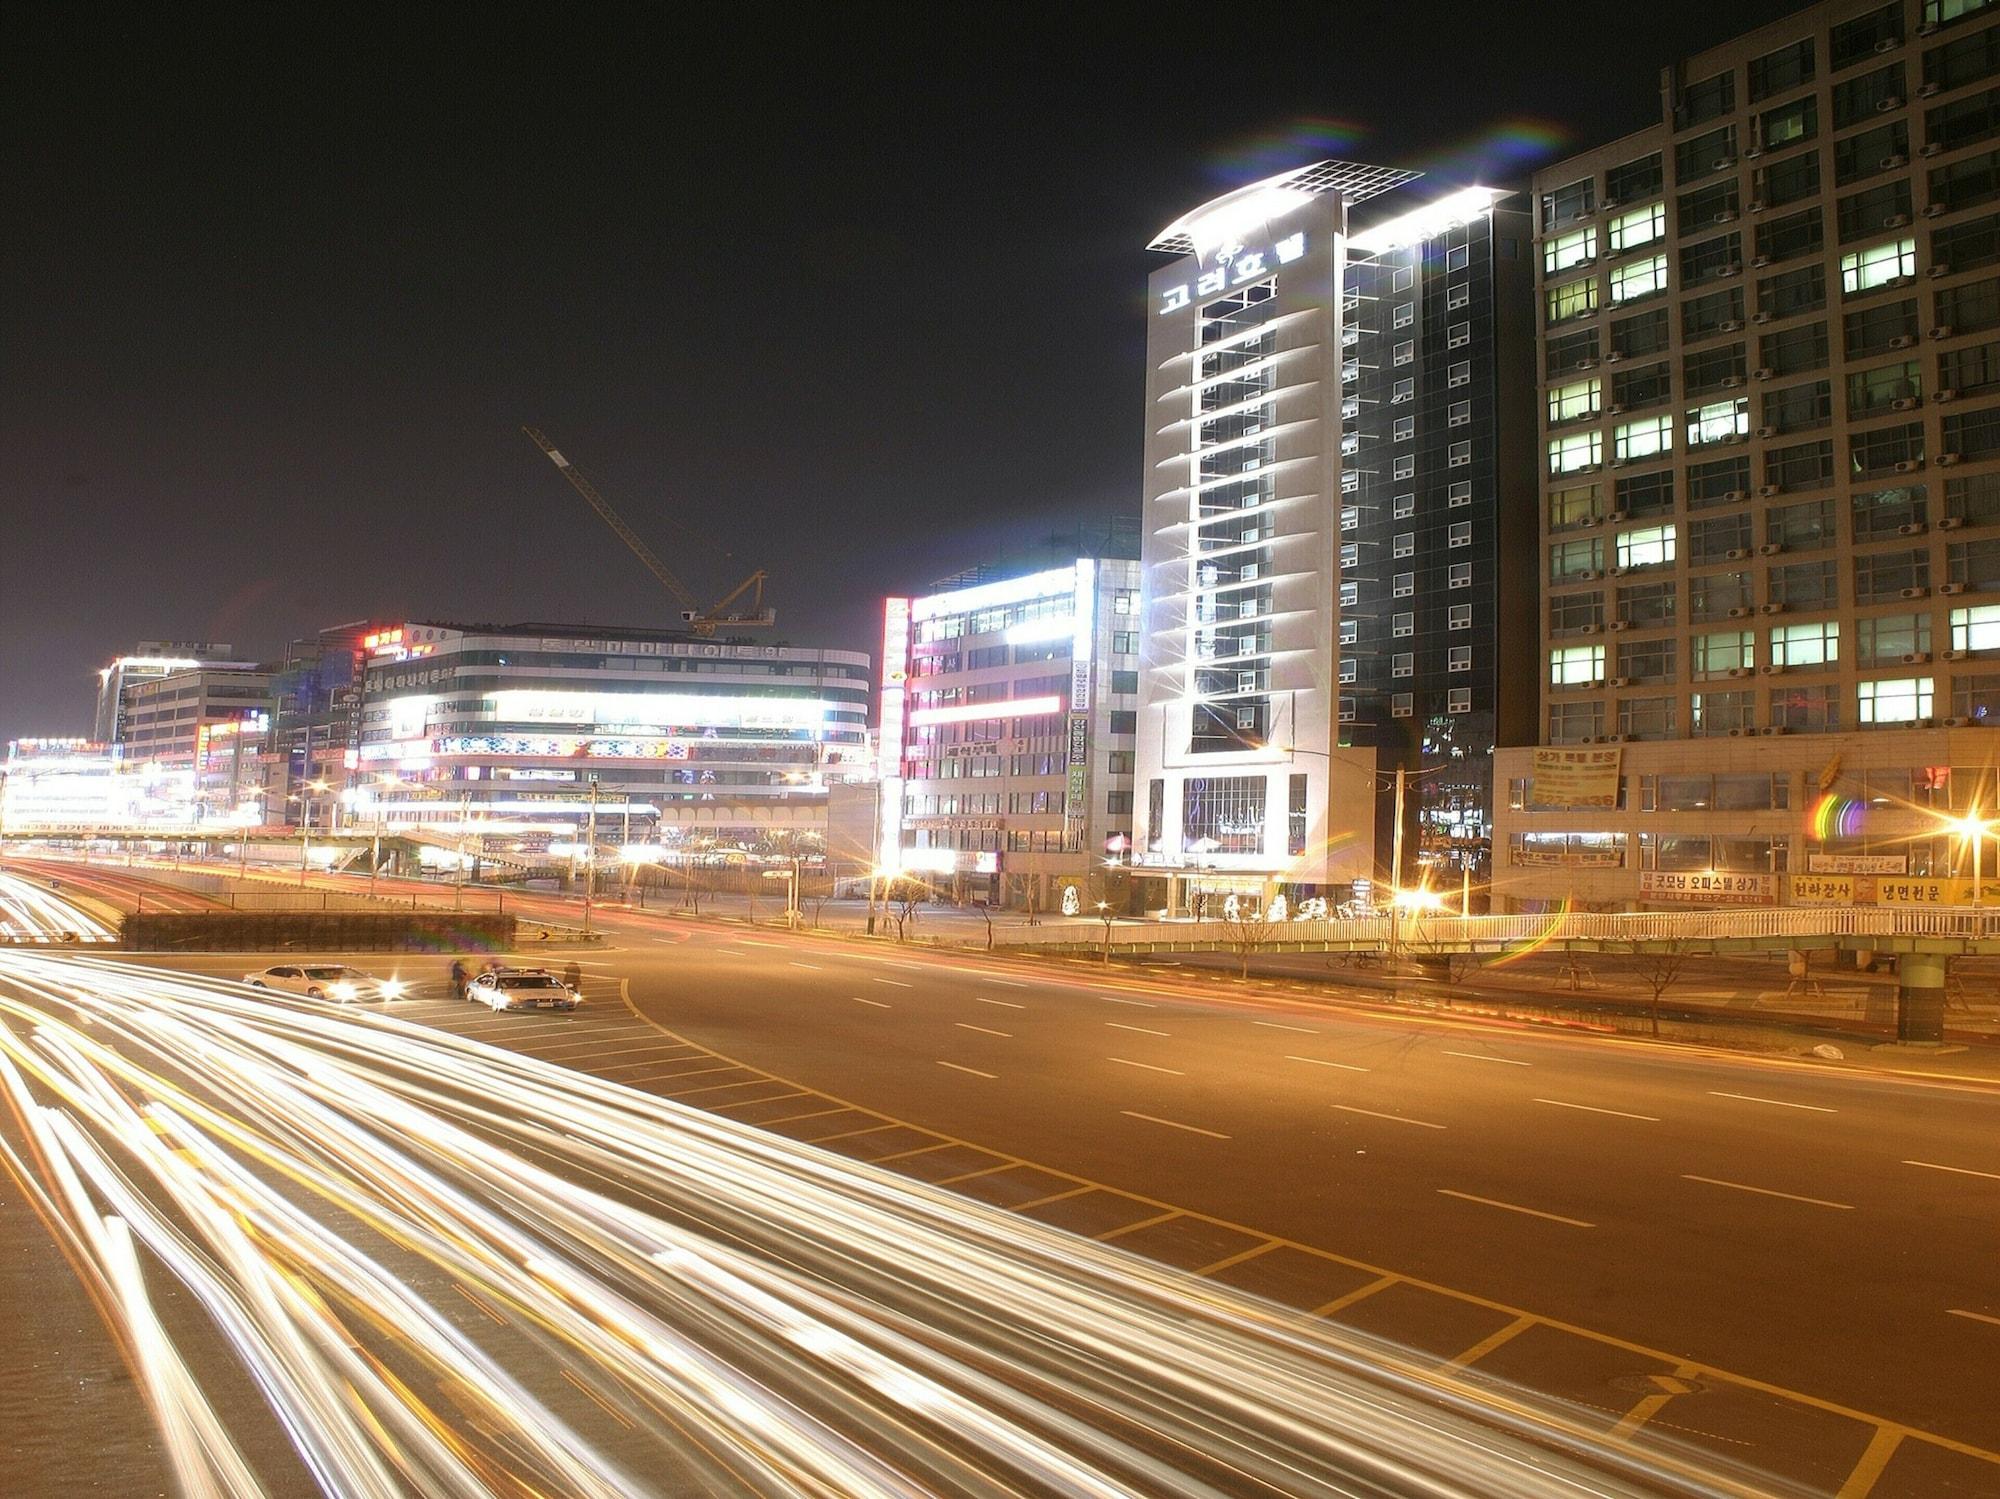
590 858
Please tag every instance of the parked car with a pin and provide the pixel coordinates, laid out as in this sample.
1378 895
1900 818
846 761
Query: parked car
522 989
335 981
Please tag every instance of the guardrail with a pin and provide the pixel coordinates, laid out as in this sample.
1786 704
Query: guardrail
1417 933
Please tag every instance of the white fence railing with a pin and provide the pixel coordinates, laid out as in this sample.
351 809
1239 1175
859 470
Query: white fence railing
1416 933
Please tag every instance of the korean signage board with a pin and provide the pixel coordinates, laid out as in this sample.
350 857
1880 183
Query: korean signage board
1826 889
1858 863
1707 887
1575 778
1889 890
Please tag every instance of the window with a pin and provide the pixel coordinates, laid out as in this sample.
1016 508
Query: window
1459 414
1460 534
1720 654
1350 594
1350 632
1458 335
1637 278
1404 429
1650 546
1884 577
1403 352
1704 317
1403 466
1458 700
1459 617
1864 270
1710 259
1974 564
1802 289
1717 203
1706 100
1402 664
1719 421
1967 371
1815 644
1804 585
1885 449
1458 455
1795 350
1403 625
1645 438
1572 201
1883 149
1566 250
1459 492
1721 538
1571 722
1974 501
1124 642
1404 279
1125 723
1633 179
1403 507
1871 392
1894 700
1965 184
1647 606
1788 181
1404 315
1636 227
1404 544
1579 450
1705 155
1457 296
1461 372
1868 95
1574 506
1805 709
1798 408
1801 527
1647 718
1808 465
1976 629
1402 704
1790 237
1459 575
1572 613
1714 368
1714 713
1458 658
1644 334
1222 814
1963 121
1403 390
1887 638
1124 681
1788 67
1720 595
1859 39
1965 60
1641 387
1350 669
1975 434
1403 585
1881 513
1789 124
1722 482
1879 329
1570 559
1458 257
1886 206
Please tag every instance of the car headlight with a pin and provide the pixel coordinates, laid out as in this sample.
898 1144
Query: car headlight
344 990
392 988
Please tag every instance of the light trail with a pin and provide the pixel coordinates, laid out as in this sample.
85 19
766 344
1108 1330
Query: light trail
30 912
456 1270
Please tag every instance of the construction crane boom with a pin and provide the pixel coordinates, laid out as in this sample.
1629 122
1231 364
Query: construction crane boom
703 621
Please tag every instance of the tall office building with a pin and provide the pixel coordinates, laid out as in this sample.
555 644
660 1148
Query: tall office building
1338 533
1009 705
149 660
1771 474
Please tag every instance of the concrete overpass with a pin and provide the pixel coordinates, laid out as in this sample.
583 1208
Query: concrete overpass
1923 940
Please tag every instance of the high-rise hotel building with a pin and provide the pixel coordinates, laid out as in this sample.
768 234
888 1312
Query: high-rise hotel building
1770 444
1337 539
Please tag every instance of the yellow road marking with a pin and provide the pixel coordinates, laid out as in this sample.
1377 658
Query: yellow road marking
1216 1266
1132 1228
1881 1447
1360 1293
1651 1405
1485 1346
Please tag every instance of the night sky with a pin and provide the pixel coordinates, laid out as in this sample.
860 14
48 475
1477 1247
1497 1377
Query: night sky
858 307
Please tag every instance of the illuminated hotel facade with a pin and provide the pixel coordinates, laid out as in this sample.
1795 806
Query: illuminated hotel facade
1337 536
713 745
1009 714
1770 330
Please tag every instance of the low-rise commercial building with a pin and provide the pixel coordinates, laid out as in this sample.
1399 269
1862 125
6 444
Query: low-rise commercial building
1008 723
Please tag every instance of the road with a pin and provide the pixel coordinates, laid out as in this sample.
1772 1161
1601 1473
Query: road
450 1268
1787 1263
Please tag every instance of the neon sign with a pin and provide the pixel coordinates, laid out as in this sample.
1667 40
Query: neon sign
1234 266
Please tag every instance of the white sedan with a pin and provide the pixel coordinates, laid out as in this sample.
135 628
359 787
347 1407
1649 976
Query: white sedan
522 989
335 981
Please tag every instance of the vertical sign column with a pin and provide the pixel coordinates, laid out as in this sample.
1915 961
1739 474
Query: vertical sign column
1076 804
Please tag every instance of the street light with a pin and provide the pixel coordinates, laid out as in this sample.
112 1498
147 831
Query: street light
1975 830
1104 915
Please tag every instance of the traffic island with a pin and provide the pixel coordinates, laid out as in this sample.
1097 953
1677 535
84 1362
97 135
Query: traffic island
318 931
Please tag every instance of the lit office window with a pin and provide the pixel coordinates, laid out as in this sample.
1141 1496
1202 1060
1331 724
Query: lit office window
1644 438
1578 450
1566 250
1638 226
1639 278
1650 546
1863 270
1572 299
1976 629
1718 421
1902 700
1814 644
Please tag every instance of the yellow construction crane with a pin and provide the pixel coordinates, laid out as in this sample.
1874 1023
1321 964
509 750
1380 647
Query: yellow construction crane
701 621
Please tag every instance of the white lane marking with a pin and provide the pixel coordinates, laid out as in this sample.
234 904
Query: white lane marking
1478 1056
879 1004
1716 1181
753 942
1512 1207
1193 1129
816 967
1589 1108
1142 1030
1010 983
1317 1062
1972 1316
1303 1030
730 952
973 1070
1955 1170
894 983
1398 1118
1777 1102
1139 1003
1007 1004
983 1030
1147 1065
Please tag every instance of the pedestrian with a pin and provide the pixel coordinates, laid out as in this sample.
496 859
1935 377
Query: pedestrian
573 977
458 978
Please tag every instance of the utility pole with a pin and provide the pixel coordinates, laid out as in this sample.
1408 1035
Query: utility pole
590 857
1396 873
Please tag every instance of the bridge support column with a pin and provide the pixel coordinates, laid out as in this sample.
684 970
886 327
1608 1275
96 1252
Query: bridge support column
1920 996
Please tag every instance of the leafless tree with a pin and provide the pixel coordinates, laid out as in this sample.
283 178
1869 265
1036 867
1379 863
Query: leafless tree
1245 934
904 895
1660 966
